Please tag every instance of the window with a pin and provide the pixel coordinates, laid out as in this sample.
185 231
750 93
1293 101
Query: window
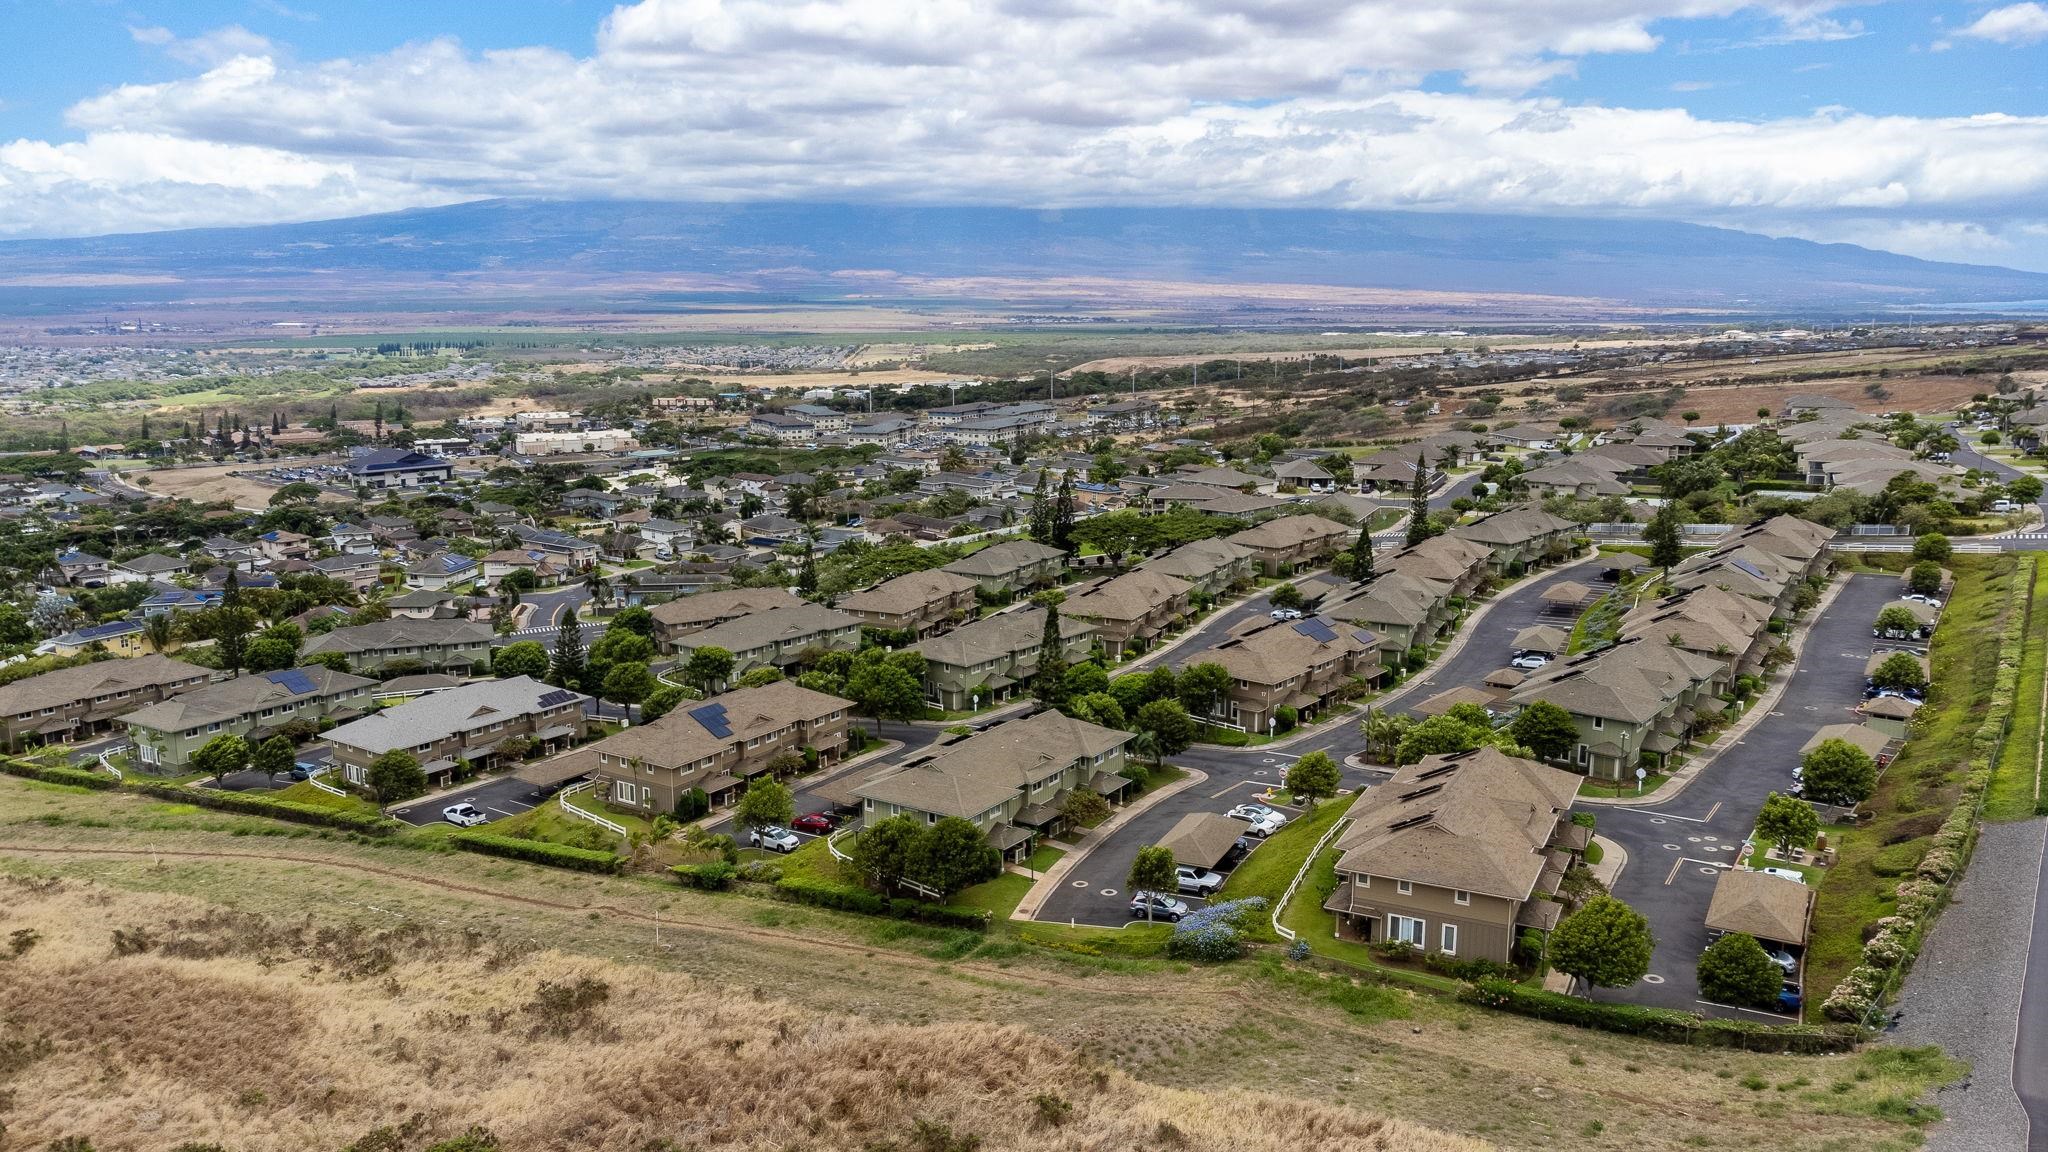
1404 887
622 791
1598 723
1364 880
1447 936
1584 755
1406 928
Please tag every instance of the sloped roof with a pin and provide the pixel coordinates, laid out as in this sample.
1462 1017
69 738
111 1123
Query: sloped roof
455 711
85 681
383 634
1764 906
997 637
910 592
686 734
1202 839
984 770
724 604
1476 821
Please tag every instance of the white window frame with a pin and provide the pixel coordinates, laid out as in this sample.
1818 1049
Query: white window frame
1411 929
1585 755
1405 887
1599 723
1458 897
1447 939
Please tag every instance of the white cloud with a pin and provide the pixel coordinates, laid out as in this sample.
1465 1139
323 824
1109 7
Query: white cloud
990 101
208 48
2016 24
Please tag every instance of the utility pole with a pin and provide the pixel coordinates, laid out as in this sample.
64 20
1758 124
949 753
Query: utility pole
1048 385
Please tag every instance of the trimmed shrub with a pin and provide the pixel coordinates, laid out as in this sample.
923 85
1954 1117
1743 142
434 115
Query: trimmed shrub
51 774
1660 1023
247 805
713 877
1215 932
538 852
844 899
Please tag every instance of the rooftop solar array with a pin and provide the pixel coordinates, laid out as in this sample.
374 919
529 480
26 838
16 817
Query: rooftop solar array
558 696
1752 569
1316 630
293 680
712 717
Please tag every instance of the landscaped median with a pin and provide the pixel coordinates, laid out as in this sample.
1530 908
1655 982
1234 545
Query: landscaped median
1895 871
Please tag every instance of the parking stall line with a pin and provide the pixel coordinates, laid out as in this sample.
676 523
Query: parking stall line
1239 784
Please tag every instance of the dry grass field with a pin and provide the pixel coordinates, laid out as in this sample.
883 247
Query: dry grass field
976 1027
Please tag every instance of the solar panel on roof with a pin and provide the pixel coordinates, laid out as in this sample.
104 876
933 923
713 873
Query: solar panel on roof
1316 630
558 696
712 717
1752 569
293 680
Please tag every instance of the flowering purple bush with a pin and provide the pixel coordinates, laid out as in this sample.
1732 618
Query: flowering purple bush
1215 932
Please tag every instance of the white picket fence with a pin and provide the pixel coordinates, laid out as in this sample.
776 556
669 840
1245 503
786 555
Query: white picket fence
324 786
562 799
1284 932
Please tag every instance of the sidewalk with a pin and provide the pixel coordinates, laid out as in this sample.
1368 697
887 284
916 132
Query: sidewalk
1050 880
1733 735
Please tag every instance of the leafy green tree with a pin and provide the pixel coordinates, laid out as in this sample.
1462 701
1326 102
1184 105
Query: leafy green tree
807 571
1085 679
708 668
632 619
1169 725
1286 596
1932 546
1900 670
1361 552
520 658
628 683
274 757
766 801
1153 871
221 755
1098 708
882 852
883 690
1664 537
761 677
269 654
1838 772
661 702
1314 777
1787 822
953 854
2024 489
566 670
1924 578
1605 943
396 776
1896 619
1734 970
1438 736
334 660
1545 729
1203 688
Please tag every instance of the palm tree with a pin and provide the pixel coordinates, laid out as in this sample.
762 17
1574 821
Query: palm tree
1145 745
595 584
1383 731
157 630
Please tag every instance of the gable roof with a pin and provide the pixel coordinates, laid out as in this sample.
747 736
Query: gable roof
453 711
1478 821
978 773
383 634
227 700
997 637
85 681
696 730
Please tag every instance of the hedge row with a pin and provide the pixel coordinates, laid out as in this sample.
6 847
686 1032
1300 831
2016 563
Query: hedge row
538 852
1660 1023
237 802
713 877
1890 953
844 899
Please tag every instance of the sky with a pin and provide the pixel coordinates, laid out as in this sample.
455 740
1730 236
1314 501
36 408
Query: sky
1917 126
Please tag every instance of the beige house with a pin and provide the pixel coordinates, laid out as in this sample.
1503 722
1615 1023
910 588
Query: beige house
704 609
716 746
1011 780
1771 908
1298 664
1462 564
993 660
1519 538
1130 611
1634 698
785 638
1457 854
1405 611
1286 544
916 602
457 644
1012 567
77 703
1212 566
466 725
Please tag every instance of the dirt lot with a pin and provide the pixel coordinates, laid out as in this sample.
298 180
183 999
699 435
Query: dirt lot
1408 348
210 482
1260 1026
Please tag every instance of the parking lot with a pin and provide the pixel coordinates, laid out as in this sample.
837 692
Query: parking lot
1678 850
496 798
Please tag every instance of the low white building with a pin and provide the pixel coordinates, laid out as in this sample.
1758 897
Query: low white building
590 440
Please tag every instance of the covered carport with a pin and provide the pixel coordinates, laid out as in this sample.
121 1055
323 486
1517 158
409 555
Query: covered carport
557 770
1877 745
1542 638
1450 698
1774 910
1202 839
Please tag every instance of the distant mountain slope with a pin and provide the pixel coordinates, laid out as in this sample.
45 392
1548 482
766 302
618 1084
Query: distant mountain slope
796 245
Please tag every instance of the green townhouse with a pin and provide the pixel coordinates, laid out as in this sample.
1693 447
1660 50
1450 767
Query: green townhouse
464 726
1011 780
1011 568
1634 699
451 644
785 638
253 706
992 660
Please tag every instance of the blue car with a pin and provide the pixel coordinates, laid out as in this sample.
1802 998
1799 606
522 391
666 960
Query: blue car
1789 1000
303 770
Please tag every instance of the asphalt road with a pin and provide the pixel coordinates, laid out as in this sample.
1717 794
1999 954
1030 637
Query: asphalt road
2030 1052
1095 892
497 798
915 737
1491 646
1677 850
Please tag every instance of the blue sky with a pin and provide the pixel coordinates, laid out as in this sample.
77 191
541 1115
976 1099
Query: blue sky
1916 126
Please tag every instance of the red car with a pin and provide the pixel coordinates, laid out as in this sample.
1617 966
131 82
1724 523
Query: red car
817 823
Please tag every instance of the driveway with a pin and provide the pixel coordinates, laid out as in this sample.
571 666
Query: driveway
1677 850
1490 646
1094 891
915 738
496 798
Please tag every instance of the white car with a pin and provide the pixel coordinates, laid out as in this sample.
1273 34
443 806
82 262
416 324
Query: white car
1250 811
464 815
1785 874
1285 613
1529 661
1263 822
775 839
1198 881
2004 506
1782 959
1923 598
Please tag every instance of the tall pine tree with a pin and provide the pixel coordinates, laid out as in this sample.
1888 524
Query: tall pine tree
1050 686
1063 515
1361 552
1041 509
566 671
1664 539
1418 504
807 574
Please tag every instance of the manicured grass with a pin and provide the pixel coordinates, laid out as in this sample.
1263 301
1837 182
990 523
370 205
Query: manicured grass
1594 853
1919 788
1137 940
1308 919
2013 786
1651 783
589 803
304 793
814 861
1043 857
548 823
1272 865
997 897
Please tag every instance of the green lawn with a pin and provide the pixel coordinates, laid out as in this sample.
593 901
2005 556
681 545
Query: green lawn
1272 865
1043 857
304 793
2011 796
588 802
1651 783
549 823
1308 919
997 897
1919 788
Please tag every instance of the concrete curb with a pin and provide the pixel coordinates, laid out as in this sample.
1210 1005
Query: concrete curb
1053 877
1613 858
1750 719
